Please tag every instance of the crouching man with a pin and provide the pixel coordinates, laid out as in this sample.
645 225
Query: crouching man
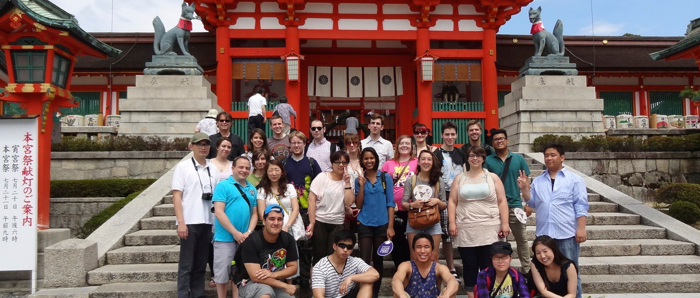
340 275
270 257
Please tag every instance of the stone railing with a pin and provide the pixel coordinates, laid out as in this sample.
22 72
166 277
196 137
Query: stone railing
113 164
637 174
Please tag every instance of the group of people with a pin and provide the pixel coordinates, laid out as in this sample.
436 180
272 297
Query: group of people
317 199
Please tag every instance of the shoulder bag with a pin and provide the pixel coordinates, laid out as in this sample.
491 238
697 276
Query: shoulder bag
297 229
423 217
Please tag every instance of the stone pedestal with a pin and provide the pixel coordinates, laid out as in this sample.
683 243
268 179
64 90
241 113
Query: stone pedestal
169 106
559 105
548 65
68 262
173 65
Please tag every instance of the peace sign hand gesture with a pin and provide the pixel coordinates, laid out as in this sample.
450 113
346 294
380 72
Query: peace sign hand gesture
523 181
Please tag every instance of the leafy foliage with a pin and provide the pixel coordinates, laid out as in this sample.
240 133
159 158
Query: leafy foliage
121 143
97 188
686 212
675 192
620 144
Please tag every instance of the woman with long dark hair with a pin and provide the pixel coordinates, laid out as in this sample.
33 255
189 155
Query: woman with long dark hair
428 174
275 189
260 159
374 196
554 274
256 140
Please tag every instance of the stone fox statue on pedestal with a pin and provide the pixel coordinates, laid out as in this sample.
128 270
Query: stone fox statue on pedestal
546 43
164 42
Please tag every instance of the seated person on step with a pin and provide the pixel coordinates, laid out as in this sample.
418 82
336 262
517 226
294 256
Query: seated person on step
500 280
422 277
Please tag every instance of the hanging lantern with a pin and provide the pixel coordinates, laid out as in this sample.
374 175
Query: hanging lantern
292 63
426 63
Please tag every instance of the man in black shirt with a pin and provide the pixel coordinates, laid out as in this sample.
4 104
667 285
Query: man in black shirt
223 122
269 257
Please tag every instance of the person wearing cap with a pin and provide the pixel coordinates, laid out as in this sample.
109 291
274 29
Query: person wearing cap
270 257
194 181
342 275
285 110
235 208
208 124
223 122
500 280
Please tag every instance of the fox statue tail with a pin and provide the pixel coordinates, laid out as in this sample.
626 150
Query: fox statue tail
558 32
159 30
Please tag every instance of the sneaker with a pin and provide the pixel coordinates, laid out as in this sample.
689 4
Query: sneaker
454 273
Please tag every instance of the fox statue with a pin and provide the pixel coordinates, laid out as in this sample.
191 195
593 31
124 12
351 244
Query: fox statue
164 42
546 43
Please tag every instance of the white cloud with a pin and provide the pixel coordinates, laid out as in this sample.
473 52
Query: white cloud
602 28
129 15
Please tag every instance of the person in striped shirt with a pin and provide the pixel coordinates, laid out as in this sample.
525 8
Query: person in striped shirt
341 275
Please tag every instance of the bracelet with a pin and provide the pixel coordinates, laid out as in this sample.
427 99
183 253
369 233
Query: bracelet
249 232
287 226
348 188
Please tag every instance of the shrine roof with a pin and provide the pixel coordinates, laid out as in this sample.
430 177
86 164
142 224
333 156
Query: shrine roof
48 14
617 54
691 40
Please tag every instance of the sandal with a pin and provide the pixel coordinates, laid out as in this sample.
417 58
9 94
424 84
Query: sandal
212 284
454 273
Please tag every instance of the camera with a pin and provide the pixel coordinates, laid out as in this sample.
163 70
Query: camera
207 196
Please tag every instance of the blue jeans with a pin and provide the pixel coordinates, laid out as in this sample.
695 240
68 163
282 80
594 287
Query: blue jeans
570 248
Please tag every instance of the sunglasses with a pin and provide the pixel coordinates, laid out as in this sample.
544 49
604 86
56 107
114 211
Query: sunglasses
351 143
316 128
224 121
345 246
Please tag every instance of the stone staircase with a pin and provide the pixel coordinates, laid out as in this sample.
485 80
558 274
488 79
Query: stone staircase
622 255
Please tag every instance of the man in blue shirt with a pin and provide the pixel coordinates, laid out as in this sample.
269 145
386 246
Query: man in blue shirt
560 199
235 209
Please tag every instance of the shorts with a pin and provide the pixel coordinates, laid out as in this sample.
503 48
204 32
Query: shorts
364 231
432 230
223 255
256 290
444 223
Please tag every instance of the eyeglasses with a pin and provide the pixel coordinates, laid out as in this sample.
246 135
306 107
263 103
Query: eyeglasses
201 144
499 139
340 162
472 156
316 128
296 144
345 246
499 259
224 120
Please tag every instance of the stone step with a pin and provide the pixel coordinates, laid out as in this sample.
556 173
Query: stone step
593 197
602 207
611 232
152 237
164 210
165 289
144 254
651 283
602 218
158 223
168 199
133 273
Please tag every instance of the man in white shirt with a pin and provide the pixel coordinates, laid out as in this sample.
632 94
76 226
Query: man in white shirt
341 275
256 110
193 184
383 147
278 143
320 149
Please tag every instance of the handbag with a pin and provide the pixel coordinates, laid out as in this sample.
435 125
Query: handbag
297 229
423 217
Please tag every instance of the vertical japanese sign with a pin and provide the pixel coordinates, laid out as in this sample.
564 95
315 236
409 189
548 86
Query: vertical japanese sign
18 194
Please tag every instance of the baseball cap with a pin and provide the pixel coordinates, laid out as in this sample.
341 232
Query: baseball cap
500 247
274 207
198 136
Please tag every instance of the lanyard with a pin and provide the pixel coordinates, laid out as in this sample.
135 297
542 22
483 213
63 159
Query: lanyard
200 178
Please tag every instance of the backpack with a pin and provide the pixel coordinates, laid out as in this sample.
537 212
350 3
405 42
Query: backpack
237 266
490 284
283 161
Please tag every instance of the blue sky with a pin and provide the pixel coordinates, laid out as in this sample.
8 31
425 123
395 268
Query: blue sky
609 17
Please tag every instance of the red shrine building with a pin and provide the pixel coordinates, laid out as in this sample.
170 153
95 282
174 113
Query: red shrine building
412 61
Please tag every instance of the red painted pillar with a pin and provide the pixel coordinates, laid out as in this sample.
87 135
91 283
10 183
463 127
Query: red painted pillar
424 89
223 69
488 79
293 89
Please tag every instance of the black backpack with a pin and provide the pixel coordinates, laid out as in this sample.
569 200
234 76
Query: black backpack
283 161
237 266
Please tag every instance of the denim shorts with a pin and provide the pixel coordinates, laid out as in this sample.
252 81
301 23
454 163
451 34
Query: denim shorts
432 230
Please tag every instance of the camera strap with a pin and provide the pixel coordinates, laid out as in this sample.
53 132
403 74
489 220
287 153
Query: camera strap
200 178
